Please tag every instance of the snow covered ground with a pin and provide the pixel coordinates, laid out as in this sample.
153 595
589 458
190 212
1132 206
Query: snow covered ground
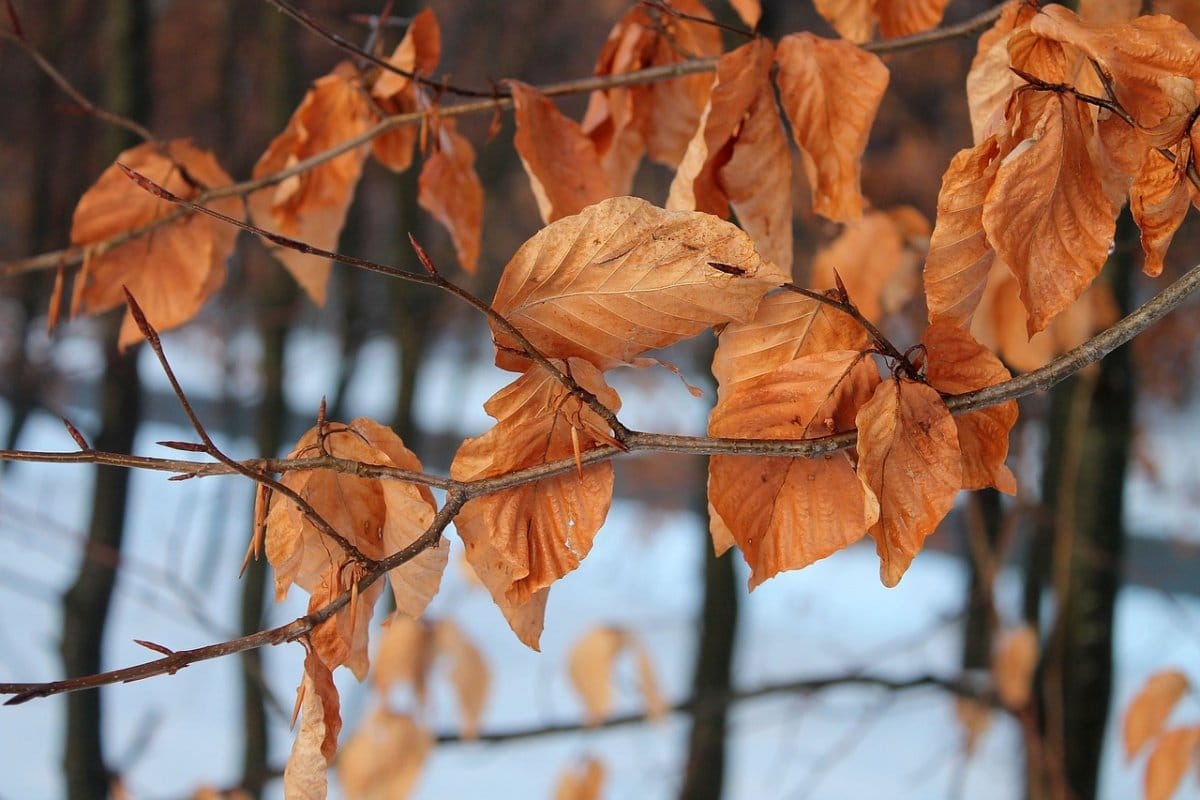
178 587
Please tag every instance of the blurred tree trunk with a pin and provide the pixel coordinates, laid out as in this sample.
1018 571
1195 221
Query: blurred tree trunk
984 519
274 306
1088 452
86 603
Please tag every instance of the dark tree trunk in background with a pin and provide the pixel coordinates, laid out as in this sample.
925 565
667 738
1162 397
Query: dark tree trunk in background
86 603
1094 418
984 518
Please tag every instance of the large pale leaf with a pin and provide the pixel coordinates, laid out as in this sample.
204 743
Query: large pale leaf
1047 215
312 206
563 166
450 190
960 257
624 277
171 271
958 364
908 455
521 540
379 517
786 327
786 513
831 91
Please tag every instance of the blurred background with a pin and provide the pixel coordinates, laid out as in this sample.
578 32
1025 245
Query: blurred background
821 684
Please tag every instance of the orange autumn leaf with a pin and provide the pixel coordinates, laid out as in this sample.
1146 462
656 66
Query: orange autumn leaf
990 81
1013 665
304 775
563 166
1047 215
312 206
1150 707
1177 750
787 326
738 156
908 455
379 517
171 271
856 19
785 513
1158 201
583 782
418 53
384 757
1151 62
658 118
750 11
521 540
450 190
624 277
831 91
591 665
875 262
960 257
956 364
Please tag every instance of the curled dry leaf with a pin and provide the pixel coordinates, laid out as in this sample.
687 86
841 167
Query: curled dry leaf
990 81
523 539
563 166
960 256
738 156
1169 761
591 670
582 782
450 190
312 206
786 513
831 91
873 258
856 19
658 118
1013 665
384 757
957 364
908 455
379 517
624 277
787 326
1150 707
418 53
1054 234
171 271
304 775
1158 201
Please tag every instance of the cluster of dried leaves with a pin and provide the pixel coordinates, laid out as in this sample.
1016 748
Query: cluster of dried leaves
1072 117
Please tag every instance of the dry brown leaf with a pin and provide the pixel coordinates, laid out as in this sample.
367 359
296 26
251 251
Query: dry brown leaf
990 81
1169 762
1150 707
960 257
173 270
384 757
418 53
786 513
469 674
582 782
750 11
1013 665
563 166
957 364
856 19
1053 234
908 455
1151 61
312 206
404 656
521 540
1186 11
1158 201
875 264
450 190
787 326
590 667
624 277
379 517
304 775
1108 12
831 91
